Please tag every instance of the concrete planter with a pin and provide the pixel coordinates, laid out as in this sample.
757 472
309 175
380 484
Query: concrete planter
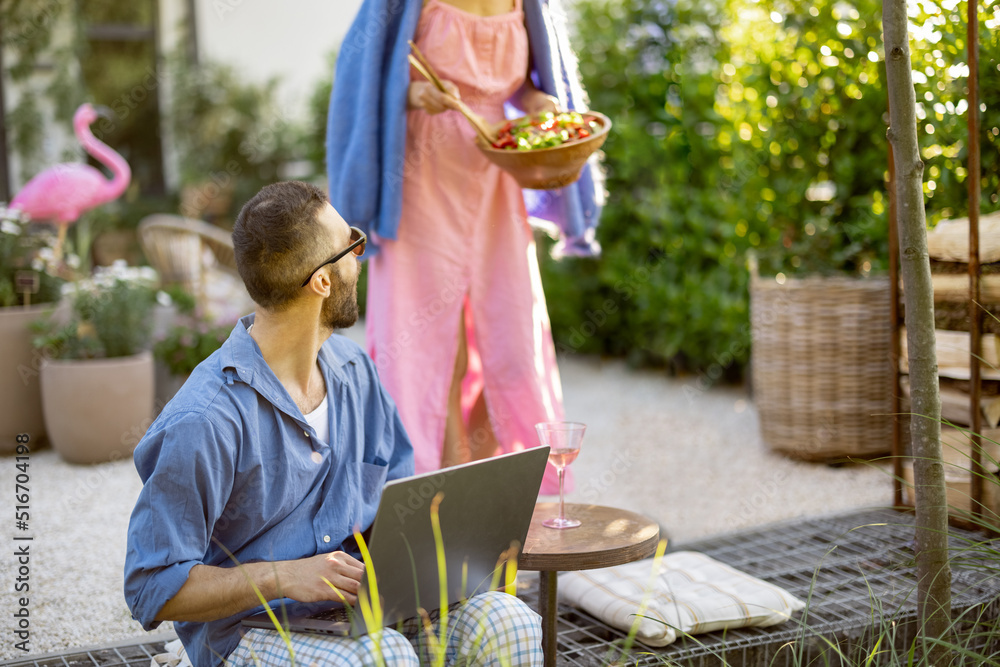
97 410
20 393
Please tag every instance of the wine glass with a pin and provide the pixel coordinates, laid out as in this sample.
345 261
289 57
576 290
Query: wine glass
563 440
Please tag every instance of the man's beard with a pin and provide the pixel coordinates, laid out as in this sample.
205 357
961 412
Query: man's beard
340 309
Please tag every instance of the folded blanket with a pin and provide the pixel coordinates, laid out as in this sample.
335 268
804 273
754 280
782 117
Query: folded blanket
692 593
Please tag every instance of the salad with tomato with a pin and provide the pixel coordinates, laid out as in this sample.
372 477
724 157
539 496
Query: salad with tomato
545 130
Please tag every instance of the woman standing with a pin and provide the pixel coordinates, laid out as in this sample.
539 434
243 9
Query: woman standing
456 318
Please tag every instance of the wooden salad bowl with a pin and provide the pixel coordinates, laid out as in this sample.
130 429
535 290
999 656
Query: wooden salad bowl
549 168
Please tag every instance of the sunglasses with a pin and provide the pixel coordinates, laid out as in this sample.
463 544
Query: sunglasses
357 246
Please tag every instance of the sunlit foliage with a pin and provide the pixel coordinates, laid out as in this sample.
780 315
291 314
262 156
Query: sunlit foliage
753 126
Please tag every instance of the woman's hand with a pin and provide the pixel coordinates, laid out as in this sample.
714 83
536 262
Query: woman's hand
425 95
534 101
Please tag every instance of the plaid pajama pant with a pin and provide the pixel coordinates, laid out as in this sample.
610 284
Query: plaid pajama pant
492 629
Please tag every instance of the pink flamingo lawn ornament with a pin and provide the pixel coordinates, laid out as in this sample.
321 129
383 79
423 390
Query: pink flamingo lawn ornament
62 193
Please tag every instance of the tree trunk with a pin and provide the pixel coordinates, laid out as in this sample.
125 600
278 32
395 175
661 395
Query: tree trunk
933 570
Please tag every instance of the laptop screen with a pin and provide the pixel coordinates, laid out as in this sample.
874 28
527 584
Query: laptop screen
483 509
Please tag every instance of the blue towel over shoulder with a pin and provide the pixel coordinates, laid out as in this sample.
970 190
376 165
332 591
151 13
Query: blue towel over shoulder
366 126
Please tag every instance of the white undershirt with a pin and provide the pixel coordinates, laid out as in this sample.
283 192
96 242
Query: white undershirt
320 421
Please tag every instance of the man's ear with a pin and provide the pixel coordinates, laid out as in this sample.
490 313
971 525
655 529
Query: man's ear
324 284
320 283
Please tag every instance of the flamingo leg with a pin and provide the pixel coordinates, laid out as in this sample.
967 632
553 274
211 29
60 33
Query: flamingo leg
57 251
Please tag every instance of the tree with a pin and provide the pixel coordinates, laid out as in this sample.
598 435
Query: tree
933 570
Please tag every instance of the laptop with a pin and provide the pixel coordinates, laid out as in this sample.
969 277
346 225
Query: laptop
484 514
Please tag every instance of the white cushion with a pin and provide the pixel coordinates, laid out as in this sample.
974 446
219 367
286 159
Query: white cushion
174 655
691 593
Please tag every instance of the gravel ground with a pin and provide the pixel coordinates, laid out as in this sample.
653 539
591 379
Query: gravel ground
692 459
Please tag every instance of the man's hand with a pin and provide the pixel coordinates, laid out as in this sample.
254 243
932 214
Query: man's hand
425 95
322 577
211 593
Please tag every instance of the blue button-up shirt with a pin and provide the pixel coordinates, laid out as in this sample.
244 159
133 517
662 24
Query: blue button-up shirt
231 460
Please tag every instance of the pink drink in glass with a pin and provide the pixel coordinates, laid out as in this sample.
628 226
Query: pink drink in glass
563 440
561 458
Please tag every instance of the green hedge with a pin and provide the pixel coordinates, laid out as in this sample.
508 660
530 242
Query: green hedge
741 128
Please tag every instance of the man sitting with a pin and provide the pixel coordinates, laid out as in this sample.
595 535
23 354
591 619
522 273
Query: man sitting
275 450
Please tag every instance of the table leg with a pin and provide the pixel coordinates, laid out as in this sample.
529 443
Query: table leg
548 609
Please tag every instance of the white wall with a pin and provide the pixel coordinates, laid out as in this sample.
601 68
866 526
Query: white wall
264 38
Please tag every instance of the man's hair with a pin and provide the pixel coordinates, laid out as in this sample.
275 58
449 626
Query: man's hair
275 241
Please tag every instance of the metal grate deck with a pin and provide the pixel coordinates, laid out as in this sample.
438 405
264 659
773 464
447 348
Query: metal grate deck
123 654
856 572
846 566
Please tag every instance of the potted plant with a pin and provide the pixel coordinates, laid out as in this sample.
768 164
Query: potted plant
822 322
726 149
820 312
97 370
28 285
191 340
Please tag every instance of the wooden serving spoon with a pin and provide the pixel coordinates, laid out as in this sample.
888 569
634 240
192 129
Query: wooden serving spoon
479 124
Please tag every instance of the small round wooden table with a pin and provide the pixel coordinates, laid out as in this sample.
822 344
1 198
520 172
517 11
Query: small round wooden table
606 536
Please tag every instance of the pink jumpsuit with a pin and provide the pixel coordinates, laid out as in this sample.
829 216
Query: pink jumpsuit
464 247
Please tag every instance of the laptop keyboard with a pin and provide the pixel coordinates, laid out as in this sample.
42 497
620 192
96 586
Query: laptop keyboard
337 614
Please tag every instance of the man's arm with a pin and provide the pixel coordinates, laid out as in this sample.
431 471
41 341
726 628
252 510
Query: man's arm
184 493
212 593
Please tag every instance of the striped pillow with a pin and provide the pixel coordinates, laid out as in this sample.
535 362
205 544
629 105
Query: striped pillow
691 593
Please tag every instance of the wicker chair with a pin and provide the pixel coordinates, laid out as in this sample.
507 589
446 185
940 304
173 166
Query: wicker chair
191 253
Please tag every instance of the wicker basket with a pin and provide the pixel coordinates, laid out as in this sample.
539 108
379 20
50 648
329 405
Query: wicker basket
821 370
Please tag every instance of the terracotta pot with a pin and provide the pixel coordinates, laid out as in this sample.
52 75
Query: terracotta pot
20 395
97 410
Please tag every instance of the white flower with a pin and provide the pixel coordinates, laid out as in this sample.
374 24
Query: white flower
73 261
37 264
148 274
163 299
13 213
107 276
8 227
